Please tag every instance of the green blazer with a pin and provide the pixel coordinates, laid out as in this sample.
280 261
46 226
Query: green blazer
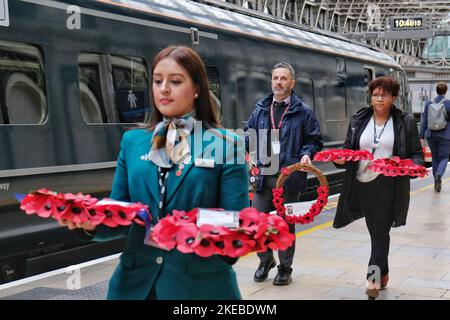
172 274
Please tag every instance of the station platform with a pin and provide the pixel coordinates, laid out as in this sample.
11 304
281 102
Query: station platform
329 264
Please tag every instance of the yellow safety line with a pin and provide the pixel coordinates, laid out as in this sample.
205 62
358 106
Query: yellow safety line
426 188
313 229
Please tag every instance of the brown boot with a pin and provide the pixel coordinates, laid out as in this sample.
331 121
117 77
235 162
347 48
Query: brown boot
372 290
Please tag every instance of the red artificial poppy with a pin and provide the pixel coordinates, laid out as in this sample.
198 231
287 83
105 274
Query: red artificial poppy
362 155
389 171
186 238
253 222
315 209
278 234
183 217
348 154
285 171
76 211
308 218
206 248
322 190
59 206
278 192
207 237
321 201
37 203
281 210
325 156
238 244
208 231
277 223
254 171
117 213
79 197
277 201
165 233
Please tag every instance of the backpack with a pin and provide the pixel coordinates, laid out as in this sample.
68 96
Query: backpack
437 115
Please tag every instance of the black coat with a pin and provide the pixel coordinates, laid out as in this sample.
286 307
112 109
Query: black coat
406 146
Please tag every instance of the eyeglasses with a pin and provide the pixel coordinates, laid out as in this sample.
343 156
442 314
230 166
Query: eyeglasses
380 96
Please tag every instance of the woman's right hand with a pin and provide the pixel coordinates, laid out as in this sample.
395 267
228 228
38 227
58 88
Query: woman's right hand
72 225
339 162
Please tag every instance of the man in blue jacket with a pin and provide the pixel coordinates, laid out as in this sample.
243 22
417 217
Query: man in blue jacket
285 131
438 140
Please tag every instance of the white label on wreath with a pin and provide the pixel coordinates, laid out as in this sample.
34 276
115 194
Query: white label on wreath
296 208
224 218
4 13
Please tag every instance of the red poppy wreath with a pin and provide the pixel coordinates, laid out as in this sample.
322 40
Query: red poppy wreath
257 231
342 154
80 208
315 209
395 166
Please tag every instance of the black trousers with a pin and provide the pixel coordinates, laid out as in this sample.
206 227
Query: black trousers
263 202
376 200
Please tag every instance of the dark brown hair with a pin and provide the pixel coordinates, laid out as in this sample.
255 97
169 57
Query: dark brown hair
190 61
441 88
387 84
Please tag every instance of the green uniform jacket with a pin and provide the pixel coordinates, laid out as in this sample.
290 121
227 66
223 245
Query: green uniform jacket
172 274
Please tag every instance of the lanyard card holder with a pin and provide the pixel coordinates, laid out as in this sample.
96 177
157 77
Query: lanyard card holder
276 147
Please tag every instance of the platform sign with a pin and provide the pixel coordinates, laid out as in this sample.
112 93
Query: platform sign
4 13
408 23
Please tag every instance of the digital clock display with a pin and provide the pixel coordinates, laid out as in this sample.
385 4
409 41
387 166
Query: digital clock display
408 23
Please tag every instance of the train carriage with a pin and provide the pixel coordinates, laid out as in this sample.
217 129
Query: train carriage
74 75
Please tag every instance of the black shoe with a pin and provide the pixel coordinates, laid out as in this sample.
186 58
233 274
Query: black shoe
437 183
262 272
283 278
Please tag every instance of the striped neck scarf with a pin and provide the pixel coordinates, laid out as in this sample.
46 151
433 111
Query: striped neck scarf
170 143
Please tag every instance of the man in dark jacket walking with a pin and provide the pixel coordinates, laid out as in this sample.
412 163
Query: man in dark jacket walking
286 131
438 138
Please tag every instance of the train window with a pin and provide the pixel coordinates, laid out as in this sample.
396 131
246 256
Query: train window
22 92
251 87
305 90
341 69
334 98
214 89
92 106
113 89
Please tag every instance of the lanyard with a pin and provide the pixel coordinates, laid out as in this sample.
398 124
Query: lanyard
273 120
376 139
162 181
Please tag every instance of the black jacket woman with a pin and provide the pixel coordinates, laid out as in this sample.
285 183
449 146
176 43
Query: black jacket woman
386 131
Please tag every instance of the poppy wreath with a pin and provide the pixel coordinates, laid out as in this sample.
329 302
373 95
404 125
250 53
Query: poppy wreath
316 207
80 208
342 154
257 231
393 167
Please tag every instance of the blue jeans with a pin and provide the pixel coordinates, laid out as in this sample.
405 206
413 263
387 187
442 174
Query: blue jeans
440 151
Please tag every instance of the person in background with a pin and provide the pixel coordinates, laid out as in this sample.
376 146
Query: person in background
149 171
386 131
434 127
